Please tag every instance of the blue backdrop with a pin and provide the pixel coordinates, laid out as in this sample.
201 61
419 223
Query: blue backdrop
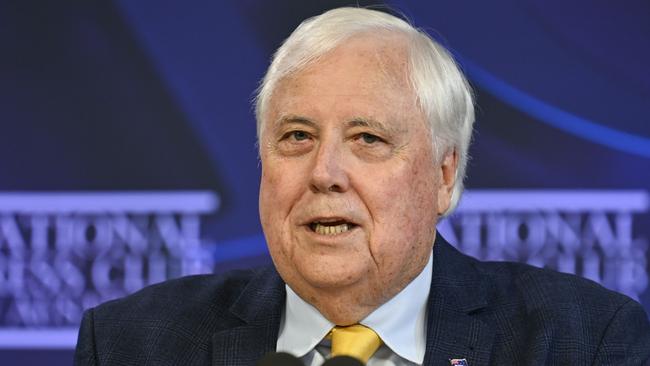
149 96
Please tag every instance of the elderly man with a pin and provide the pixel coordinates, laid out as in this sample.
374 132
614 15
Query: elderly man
364 124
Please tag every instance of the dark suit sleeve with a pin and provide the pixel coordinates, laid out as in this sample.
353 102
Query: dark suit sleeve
85 354
626 341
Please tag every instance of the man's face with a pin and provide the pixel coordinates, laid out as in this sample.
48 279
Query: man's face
350 189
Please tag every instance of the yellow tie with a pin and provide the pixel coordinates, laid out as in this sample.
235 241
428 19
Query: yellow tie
356 341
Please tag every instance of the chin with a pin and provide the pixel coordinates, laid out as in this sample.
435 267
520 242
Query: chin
327 279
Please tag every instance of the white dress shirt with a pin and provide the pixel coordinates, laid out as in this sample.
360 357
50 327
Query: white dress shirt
400 322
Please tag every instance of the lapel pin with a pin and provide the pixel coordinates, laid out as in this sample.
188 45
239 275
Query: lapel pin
458 362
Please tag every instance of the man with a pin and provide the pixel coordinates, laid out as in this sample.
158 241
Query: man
363 126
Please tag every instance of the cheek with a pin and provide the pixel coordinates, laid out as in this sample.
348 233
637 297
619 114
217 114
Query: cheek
405 212
270 201
279 186
273 214
409 196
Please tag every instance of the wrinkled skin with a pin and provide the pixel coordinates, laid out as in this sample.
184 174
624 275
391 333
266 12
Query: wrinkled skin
344 141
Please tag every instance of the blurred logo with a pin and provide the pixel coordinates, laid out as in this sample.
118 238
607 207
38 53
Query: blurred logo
588 233
61 253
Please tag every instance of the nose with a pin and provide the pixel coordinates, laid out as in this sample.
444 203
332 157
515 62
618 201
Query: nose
329 173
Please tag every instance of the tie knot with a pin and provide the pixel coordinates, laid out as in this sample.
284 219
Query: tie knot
356 341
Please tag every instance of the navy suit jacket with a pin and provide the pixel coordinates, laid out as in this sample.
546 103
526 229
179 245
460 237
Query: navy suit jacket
490 313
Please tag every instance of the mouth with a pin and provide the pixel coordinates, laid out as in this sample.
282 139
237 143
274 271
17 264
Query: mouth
331 226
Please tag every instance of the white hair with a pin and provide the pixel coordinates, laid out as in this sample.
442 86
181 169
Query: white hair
442 92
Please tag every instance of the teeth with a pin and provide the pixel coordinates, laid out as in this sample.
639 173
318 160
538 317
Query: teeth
331 230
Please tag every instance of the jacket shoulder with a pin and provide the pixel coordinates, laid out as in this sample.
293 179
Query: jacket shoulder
562 317
214 293
543 288
172 323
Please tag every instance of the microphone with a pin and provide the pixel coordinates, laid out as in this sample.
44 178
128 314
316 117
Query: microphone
343 361
279 359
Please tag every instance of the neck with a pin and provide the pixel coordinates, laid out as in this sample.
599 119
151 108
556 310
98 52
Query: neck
342 309
350 304
346 306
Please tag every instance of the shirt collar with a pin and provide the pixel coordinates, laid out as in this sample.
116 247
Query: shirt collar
303 327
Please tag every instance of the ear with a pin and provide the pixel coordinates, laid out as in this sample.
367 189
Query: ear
448 168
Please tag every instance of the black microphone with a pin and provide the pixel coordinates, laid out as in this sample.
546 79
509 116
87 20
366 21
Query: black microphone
343 361
279 359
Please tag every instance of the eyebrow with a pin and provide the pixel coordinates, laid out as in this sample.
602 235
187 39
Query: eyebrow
374 124
294 119
354 122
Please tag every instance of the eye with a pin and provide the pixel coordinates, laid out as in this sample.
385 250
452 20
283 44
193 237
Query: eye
369 138
299 135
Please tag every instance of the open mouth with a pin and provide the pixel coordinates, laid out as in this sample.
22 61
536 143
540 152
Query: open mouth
332 227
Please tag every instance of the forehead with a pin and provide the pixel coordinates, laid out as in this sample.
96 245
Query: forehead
366 71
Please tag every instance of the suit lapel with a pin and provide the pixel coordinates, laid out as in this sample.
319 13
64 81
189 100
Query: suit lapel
452 334
243 345
458 293
259 311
